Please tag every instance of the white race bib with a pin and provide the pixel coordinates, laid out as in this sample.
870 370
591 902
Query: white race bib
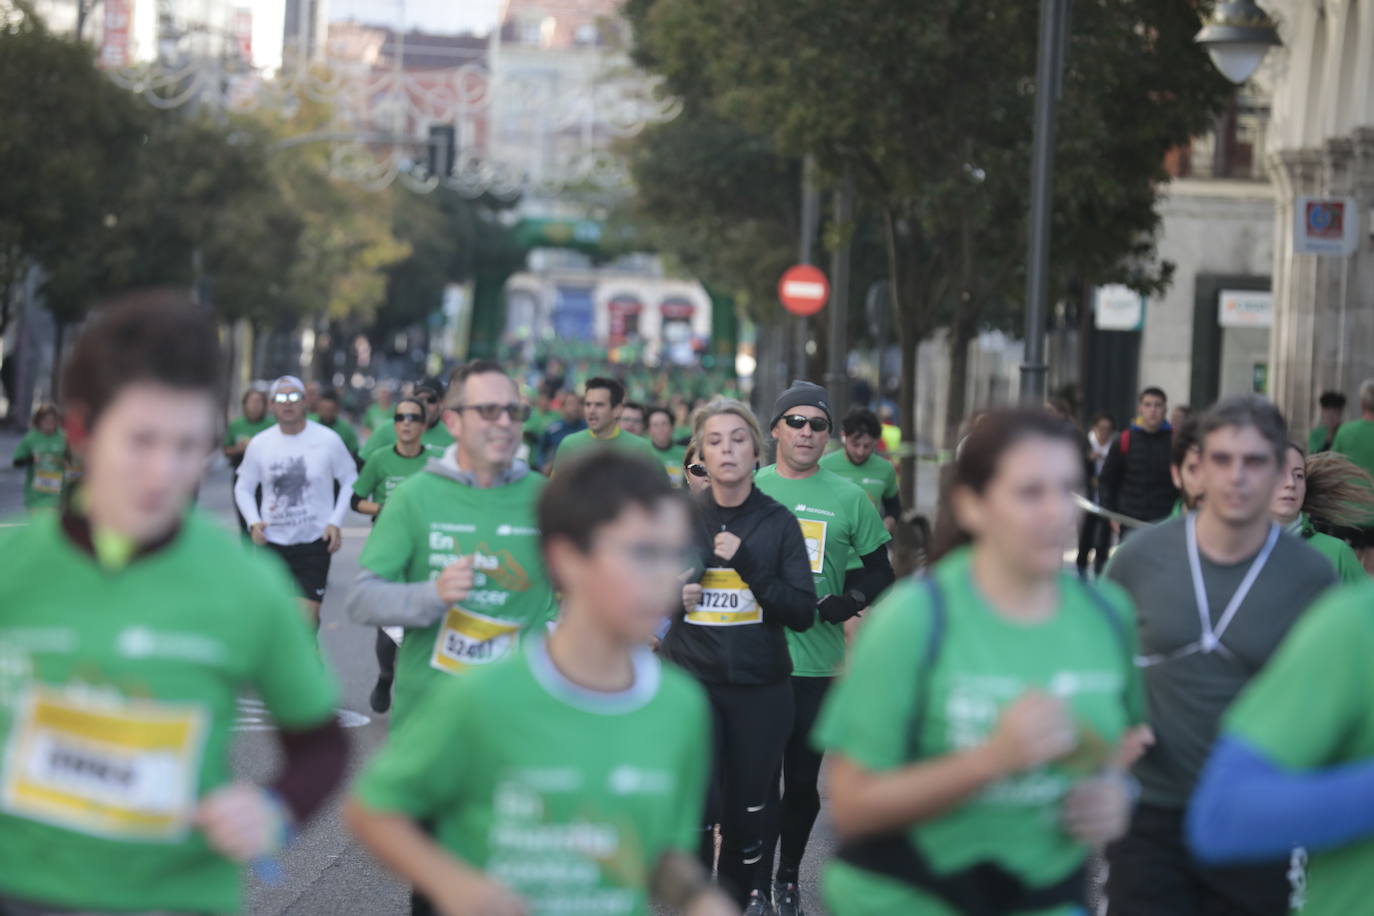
467 639
127 770
726 601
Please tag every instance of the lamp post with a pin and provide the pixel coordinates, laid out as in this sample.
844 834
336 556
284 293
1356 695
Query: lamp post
1237 36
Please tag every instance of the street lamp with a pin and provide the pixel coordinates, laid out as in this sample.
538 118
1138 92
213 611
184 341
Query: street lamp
1237 36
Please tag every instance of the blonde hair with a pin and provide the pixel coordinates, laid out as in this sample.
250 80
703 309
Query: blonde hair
719 407
1339 492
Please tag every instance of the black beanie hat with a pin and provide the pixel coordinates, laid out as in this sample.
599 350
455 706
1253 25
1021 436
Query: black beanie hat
801 394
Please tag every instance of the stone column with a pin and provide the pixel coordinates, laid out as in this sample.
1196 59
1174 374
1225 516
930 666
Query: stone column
1293 343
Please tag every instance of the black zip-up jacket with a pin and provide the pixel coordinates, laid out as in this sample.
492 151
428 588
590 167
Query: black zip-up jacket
772 561
1137 482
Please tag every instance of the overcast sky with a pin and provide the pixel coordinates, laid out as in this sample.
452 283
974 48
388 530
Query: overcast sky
427 15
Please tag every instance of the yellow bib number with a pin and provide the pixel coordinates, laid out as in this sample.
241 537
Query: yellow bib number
467 639
725 601
126 771
813 532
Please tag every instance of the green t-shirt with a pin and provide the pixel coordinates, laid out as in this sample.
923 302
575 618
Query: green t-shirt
384 471
376 417
619 439
839 525
568 797
1348 566
1309 710
45 475
243 429
985 662
346 433
876 477
128 679
671 459
430 521
385 437
1317 439
1355 440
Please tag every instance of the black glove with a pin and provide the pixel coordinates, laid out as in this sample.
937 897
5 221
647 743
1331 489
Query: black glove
839 608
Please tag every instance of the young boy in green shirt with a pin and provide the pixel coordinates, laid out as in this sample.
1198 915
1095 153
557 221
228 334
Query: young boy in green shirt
570 776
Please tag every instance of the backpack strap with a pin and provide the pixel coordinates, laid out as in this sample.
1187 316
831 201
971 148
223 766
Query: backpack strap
935 637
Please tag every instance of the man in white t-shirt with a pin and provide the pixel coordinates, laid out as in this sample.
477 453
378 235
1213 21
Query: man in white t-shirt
297 463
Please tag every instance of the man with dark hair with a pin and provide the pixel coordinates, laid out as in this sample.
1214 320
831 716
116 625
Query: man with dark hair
856 462
1215 591
327 415
1332 404
632 419
847 545
1185 467
297 514
134 625
572 775
1135 477
660 422
430 391
602 404
569 421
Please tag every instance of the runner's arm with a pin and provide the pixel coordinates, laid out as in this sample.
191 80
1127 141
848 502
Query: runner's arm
789 596
892 507
345 472
365 506
379 602
314 767
1249 809
245 488
870 581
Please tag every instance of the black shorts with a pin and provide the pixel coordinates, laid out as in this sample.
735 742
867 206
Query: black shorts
309 565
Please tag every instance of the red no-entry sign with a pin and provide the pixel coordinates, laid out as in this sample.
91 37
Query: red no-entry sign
803 290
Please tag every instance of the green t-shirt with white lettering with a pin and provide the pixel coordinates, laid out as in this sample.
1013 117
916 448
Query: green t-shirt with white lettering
875 477
46 474
1309 710
619 439
984 663
839 525
430 521
118 691
384 471
671 459
568 797
385 437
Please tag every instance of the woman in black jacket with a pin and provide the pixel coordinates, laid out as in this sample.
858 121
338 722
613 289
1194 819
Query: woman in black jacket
729 635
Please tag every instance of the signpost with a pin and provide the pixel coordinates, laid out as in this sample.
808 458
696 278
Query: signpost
803 290
1326 225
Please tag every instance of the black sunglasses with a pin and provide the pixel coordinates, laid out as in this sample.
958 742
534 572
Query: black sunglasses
410 418
797 421
490 412
696 470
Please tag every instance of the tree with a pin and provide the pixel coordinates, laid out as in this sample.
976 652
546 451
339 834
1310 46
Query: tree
933 113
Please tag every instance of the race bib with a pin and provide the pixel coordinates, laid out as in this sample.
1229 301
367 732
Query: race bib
467 639
814 535
127 771
725 601
46 481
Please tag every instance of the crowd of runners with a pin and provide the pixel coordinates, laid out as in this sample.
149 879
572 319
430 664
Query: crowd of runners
622 651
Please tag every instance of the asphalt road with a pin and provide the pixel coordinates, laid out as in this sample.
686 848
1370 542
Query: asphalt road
325 872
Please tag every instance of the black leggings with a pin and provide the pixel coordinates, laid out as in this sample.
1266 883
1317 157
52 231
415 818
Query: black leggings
801 776
386 656
751 728
1094 537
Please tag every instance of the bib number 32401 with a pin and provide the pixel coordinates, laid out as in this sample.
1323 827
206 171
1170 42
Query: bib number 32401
467 639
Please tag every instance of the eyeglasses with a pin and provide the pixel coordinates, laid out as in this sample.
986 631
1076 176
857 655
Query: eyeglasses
797 421
428 398
288 397
696 470
410 418
519 413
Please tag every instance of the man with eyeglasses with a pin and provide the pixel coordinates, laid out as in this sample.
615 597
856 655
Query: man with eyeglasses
839 525
454 557
430 392
381 475
297 463
602 403
661 438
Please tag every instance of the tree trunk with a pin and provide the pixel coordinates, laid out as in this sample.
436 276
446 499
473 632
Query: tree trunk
59 331
961 334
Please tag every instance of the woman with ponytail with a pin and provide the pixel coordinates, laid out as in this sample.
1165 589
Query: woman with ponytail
1326 491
